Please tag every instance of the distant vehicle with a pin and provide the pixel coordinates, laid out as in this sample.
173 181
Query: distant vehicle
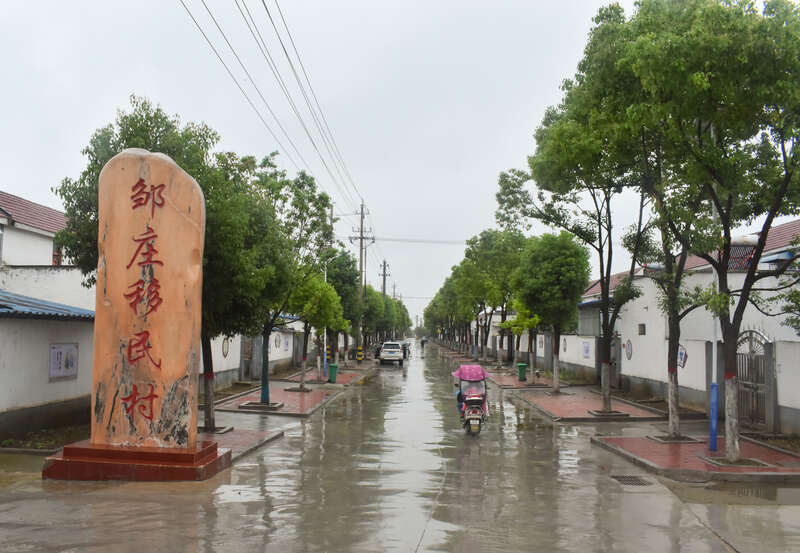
391 351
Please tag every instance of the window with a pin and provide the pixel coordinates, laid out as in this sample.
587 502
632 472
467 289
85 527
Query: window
56 256
642 329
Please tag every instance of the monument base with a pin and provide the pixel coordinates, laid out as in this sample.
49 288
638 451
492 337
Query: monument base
84 461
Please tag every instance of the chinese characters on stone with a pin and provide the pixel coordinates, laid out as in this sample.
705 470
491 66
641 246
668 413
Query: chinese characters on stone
144 294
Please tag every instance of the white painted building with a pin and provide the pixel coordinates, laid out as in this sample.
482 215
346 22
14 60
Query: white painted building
642 336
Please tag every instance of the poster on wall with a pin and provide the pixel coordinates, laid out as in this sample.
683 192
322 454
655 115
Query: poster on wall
63 361
682 356
286 343
586 350
540 345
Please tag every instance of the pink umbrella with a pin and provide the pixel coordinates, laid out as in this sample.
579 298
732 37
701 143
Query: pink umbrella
472 373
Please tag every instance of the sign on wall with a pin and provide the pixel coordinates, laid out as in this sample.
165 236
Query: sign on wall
586 350
682 356
63 361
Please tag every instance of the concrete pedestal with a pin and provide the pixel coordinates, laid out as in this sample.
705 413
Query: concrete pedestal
84 461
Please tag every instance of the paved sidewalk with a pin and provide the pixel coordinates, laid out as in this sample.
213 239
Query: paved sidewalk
575 403
690 461
241 441
509 380
295 404
345 378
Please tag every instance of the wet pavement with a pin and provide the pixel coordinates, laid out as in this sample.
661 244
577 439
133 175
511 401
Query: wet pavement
386 467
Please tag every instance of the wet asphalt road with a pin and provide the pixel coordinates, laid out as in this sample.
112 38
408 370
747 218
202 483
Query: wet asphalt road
386 467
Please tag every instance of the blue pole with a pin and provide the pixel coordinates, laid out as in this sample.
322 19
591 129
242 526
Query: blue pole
712 429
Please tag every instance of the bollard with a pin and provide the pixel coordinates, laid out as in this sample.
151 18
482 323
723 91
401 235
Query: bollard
521 370
334 368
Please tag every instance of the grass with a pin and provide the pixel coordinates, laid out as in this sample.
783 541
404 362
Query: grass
49 438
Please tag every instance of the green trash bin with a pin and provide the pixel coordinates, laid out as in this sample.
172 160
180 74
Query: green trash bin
521 370
332 369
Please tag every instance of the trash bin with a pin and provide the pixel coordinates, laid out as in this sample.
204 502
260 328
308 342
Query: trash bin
332 370
521 369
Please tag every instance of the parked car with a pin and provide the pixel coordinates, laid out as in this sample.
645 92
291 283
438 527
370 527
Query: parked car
391 351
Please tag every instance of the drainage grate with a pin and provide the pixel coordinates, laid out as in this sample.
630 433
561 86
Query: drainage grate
631 480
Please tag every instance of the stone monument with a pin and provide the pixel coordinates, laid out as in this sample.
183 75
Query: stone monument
146 329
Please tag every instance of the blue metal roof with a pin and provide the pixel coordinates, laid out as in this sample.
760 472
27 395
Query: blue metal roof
24 307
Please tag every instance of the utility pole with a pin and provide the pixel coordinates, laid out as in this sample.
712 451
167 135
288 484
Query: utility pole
384 274
362 250
394 290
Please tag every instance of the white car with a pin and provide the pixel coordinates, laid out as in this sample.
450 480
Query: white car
391 351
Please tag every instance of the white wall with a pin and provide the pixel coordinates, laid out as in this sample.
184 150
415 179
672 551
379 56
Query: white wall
22 247
222 362
575 350
787 367
25 361
281 345
698 324
648 351
57 284
693 375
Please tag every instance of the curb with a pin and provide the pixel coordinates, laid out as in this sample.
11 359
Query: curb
692 475
27 451
257 445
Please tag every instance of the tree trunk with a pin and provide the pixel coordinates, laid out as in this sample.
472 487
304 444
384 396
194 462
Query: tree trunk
265 362
673 392
208 383
605 371
306 331
732 449
556 364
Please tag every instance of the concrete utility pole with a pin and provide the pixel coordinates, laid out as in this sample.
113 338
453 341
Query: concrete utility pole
394 290
384 274
362 250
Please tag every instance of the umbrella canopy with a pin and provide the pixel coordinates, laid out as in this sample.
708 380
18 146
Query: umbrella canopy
472 373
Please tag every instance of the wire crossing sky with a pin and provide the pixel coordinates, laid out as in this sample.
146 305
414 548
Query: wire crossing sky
413 108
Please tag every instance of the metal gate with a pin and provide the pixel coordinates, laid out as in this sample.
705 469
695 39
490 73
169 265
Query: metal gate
754 372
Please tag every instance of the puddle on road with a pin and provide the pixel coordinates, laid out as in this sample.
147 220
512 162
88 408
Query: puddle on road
229 493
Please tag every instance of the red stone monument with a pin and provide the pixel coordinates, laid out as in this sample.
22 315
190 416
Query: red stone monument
146 329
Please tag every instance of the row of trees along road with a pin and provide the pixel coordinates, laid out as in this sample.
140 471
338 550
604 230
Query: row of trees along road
542 278
694 106
268 236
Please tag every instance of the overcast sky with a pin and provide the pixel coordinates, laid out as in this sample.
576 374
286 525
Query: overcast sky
428 101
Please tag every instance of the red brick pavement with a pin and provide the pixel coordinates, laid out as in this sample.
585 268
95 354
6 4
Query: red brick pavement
241 441
576 403
512 381
294 403
341 377
687 456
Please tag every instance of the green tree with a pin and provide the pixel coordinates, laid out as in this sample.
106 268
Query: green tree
722 81
343 274
232 221
299 246
581 166
317 305
495 254
552 276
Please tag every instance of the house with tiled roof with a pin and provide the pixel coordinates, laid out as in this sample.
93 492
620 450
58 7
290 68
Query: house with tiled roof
641 337
27 230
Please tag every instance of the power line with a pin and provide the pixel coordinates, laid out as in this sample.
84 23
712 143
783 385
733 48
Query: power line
253 82
319 107
308 103
236 82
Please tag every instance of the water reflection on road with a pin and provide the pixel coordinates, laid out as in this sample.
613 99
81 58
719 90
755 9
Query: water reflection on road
384 468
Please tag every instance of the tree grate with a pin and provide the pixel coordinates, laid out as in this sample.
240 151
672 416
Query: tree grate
631 480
